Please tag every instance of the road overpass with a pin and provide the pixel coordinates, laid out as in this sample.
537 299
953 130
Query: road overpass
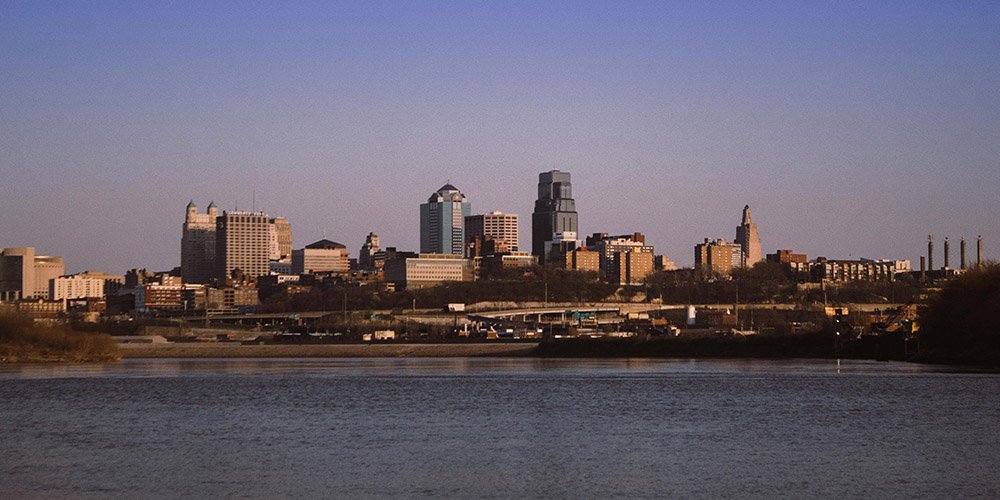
527 315
535 314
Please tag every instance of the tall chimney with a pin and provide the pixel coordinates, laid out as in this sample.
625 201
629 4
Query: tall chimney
979 251
923 268
961 247
947 252
930 252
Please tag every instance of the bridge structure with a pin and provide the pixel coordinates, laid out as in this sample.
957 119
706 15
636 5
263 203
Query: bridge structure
561 313
564 313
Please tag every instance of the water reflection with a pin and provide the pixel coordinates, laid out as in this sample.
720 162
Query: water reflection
487 427
459 367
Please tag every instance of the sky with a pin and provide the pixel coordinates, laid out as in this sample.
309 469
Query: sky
852 129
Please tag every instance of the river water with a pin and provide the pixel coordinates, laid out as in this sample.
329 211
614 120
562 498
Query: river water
498 428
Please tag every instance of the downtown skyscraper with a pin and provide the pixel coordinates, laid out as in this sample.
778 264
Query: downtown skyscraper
198 244
442 221
748 238
243 243
554 218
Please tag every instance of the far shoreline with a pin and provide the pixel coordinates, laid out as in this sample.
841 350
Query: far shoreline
235 350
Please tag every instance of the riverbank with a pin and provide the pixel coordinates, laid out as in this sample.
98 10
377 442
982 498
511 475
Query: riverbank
22 341
235 350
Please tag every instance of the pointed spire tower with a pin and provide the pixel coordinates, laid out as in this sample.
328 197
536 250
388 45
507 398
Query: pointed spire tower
748 237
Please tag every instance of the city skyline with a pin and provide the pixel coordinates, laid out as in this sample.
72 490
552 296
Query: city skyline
834 122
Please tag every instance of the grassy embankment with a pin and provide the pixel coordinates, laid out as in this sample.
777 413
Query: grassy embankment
22 341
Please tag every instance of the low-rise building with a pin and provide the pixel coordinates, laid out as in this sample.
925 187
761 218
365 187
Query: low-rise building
428 269
824 270
25 275
630 267
787 257
582 259
483 246
496 262
607 246
39 307
797 262
76 287
232 298
280 266
323 256
663 263
154 297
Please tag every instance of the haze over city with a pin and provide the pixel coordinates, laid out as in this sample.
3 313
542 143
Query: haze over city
852 129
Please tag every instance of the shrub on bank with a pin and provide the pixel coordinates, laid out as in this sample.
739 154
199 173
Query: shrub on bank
23 341
961 324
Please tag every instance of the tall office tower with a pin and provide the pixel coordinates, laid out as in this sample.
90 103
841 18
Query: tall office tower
280 237
748 238
366 258
498 225
555 211
198 244
25 275
442 221
242 242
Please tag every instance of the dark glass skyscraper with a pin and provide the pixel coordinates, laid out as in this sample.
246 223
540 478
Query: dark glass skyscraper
555 210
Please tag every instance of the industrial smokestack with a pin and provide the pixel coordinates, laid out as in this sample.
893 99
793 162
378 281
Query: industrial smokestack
979 251
947 252
923 268
961 250
930 251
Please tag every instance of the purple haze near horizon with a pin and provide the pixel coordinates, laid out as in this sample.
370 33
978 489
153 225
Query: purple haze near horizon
851 129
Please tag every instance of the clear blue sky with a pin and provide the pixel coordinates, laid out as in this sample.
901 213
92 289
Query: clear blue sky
851 128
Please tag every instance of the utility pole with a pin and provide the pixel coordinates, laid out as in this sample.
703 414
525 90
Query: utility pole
736 305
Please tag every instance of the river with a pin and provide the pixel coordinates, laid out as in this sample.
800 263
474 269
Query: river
498 428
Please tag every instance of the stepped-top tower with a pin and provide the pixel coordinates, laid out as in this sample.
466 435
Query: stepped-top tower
442 221
748 237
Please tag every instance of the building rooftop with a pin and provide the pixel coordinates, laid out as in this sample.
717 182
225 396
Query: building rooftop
325 244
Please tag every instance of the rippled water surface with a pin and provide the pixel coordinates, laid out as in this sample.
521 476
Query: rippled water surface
498 428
